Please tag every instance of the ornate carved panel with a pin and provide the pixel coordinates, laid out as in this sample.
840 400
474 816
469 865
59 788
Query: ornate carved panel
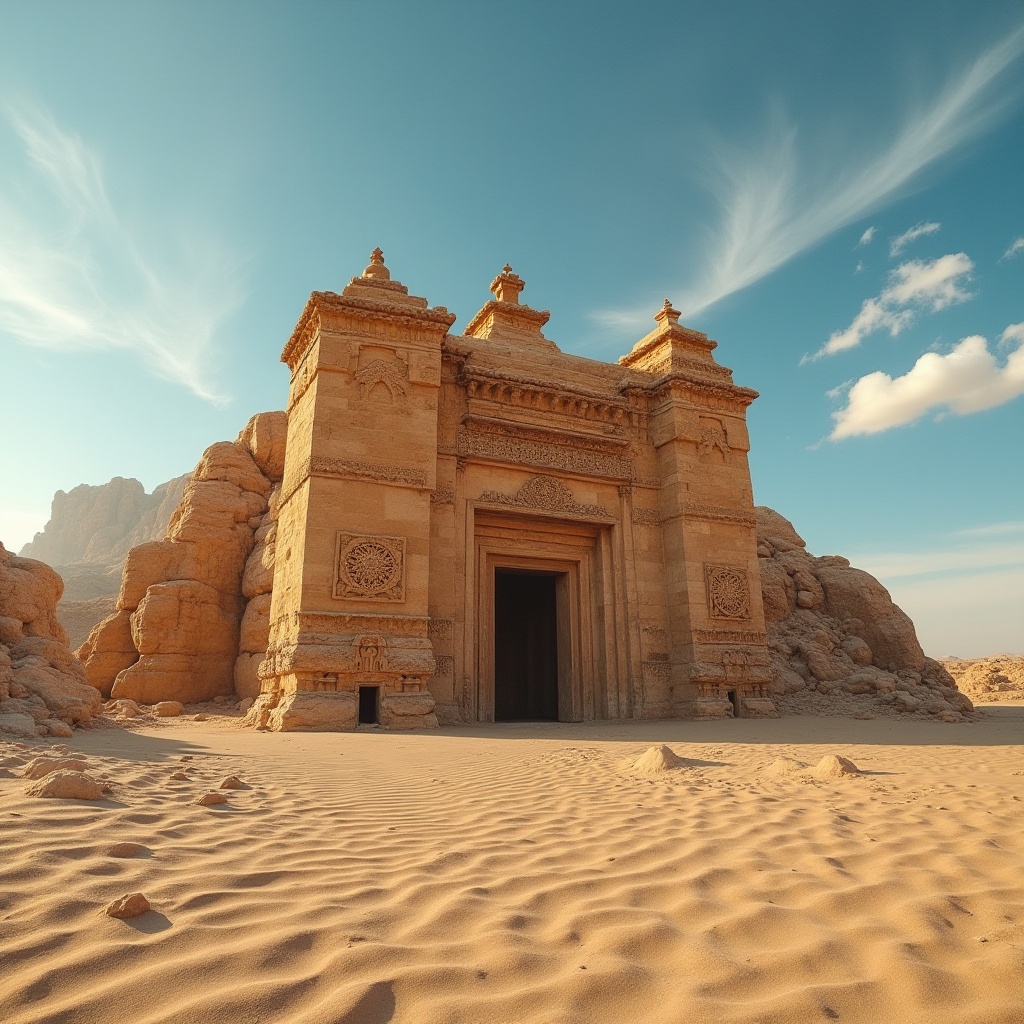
712 438
647 516
548 494
369 568
719 513
728 592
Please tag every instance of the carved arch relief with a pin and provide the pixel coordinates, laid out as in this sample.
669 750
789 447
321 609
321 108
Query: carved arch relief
548 494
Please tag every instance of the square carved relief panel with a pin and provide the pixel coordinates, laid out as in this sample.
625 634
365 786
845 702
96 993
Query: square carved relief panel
369 568
728 592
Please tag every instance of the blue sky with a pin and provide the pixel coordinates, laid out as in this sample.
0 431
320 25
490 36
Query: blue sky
833 192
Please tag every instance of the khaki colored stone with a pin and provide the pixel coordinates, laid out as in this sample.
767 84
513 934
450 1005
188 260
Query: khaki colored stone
133 905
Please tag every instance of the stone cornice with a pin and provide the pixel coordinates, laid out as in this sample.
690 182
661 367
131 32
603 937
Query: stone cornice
329 304
531 392
546 435
731 393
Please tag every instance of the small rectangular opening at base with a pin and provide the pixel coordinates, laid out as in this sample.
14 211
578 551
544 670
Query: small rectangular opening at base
734 701
368 704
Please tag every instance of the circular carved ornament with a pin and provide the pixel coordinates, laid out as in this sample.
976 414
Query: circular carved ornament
729 593
371 567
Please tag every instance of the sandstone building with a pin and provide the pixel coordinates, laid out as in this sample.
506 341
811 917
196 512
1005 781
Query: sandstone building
482 527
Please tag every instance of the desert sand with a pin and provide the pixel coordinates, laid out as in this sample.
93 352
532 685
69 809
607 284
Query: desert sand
520 873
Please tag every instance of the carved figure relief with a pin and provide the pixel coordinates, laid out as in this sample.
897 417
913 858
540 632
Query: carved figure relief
546 493
728 592
712 437
370 568
371 652
735 664
381 371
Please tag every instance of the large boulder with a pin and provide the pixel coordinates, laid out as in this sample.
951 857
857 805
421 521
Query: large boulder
834 634
40 680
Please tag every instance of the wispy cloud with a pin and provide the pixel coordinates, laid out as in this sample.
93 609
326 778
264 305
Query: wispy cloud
869 234
76 274
1016 247
993 529
900 242
917 285
967 379
776 202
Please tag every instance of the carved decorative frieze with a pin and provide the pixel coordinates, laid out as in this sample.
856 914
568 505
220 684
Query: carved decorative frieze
718 513
655 634
499 447
728 589
443 496
547 494
367 471
445 665
659 671
730 636
369 568
440 627
370 653
646 517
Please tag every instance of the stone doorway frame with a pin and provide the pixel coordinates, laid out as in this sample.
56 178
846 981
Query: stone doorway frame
568 556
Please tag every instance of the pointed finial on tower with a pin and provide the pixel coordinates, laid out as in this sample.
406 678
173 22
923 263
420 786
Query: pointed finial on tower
667 316
376 267
507 286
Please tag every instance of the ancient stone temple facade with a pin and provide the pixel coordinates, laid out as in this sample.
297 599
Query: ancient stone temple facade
481 527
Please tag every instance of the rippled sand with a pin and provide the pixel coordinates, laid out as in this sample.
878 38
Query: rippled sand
523 873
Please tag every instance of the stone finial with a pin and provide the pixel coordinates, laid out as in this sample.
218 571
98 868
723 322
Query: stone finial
376 268
507 286
667 316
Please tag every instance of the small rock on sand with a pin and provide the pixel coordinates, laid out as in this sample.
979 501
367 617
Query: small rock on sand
132 905
179 777
232 782
834 766
200 718
55 727
64 785
786 768
168 708
656 760
126 850
40 767
212 798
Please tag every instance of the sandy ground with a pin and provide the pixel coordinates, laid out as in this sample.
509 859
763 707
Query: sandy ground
520 874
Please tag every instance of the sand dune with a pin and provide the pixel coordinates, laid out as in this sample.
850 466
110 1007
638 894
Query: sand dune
522 874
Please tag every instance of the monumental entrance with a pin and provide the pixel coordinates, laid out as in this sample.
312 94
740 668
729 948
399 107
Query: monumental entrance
480 527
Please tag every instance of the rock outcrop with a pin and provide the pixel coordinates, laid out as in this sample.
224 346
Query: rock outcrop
180 610
1000 677
834 634
43 687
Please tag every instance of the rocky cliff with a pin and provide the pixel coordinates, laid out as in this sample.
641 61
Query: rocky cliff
182 612
43 687
1000 677
89 534
838 644
100 525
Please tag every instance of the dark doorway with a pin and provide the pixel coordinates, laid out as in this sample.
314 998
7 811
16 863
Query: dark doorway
525 646
734 701
368 704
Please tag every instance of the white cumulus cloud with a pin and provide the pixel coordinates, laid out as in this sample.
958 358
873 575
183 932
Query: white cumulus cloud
929 285
77 274
900 242
967 379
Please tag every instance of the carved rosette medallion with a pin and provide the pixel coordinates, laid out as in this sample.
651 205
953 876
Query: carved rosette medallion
369 568
728 592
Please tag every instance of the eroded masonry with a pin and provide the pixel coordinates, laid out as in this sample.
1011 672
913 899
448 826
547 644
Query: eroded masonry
482 527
